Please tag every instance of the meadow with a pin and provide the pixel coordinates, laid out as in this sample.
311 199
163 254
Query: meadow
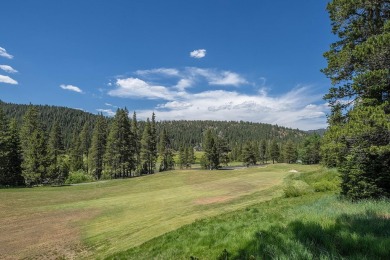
279 211
99 219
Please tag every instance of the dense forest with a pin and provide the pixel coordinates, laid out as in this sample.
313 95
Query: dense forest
44 144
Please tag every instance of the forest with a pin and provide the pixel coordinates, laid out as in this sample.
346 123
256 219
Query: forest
47 145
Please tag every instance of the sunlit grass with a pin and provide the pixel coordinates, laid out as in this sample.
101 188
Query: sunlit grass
313 226
121 214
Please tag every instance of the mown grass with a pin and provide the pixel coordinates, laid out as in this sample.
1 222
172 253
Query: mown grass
311 225
112 216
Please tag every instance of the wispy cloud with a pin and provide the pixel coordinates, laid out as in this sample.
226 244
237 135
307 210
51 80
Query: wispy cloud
5 54
182 96
198 54
8 69
135 87
8 80
294 109
107 112
71 88
110 105
160 71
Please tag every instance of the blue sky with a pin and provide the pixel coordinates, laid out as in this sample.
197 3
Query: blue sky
235 60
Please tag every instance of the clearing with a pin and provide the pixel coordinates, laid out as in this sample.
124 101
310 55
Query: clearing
102 218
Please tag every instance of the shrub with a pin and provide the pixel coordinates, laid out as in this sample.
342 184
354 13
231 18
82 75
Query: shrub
324 185
296 188
78 177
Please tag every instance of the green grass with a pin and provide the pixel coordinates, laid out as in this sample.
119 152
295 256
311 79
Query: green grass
98 219
317 225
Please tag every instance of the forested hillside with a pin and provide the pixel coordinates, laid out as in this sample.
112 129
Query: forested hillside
185 132
45 144
69 119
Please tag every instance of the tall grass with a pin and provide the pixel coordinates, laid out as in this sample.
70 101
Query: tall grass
317 225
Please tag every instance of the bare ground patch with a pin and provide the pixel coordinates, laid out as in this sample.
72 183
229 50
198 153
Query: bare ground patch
210 200
48 235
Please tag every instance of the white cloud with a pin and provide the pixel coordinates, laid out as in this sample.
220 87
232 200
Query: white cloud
3 53
71 88
294 109
110 105
217 77
299 108
8 80
175 105
183 84
135 87
8 69
160 71
198 54
227 78
107 112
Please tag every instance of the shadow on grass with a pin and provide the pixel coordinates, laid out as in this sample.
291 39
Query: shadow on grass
363 236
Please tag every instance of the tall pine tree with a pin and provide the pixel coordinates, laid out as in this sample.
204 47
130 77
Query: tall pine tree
97 149
119 155
166 154
358 139
33 143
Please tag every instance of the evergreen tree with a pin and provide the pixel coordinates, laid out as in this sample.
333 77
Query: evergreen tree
166 155
182 157
190 156
211 155
76 153
34 148
85 145
14 157
248 154
119 154
357 141
4 149
310 153
135 142
148 153
263 151
290 152
97 149
274 151
223 149
153 140
57 168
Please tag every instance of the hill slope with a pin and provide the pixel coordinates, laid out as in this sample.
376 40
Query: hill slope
185 132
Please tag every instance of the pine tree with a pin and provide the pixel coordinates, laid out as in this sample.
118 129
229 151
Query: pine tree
182 157
274 151
263 151
310 153
223 149
153 140
357 141
85 145
290 152
248 154
76 153
211 156
34 148
136 142
166 155
148 152
97 149
4 149
14 156
58 168
119 157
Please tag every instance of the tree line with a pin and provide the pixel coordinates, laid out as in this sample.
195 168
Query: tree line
115 148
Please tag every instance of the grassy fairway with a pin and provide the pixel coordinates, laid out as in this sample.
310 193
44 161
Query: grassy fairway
308 226
99 219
